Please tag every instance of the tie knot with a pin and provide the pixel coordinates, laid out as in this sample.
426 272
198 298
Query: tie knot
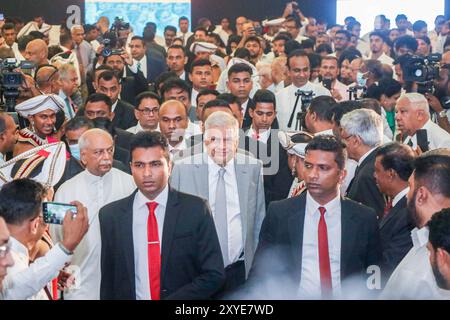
222 172
322 211
152 206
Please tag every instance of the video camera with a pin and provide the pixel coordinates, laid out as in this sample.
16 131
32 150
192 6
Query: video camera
10 81
306 98
108 50
422 70
119 25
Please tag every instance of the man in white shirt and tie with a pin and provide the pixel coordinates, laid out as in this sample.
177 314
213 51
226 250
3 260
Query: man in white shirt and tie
233 184
69 85
299 72
96 186
184 33
429 193
413 117
146 112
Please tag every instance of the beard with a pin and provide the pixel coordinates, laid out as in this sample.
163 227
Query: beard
413 215
440 279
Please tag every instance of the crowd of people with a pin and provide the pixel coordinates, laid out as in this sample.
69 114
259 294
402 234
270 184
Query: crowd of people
287 158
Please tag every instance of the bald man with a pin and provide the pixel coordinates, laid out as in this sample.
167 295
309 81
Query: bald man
48 80
37 52
173 122
98 185
413 116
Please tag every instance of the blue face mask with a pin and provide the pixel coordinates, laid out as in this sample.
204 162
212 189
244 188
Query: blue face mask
360 79
75 151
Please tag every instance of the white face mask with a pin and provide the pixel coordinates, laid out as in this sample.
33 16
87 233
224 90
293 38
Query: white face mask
75 151
360 79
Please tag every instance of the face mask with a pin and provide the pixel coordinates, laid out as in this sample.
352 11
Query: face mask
360 79
75 151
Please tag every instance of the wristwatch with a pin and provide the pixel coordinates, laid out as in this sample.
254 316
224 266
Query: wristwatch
443 114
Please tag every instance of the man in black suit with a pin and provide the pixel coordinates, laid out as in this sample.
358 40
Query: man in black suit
109 84
176 61
362 132
393 166
132 80
311 244
263 143
240 85
150 63
158 243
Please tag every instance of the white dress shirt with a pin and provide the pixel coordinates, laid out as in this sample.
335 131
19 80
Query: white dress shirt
413 278
263 136
93 192
437 137
26 281
399 196
310 272
138 128
184 36
235 232
286 101
15 49
194 95
192 129
143 65
140 217
384 58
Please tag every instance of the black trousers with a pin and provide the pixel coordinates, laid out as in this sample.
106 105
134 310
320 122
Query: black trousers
235 277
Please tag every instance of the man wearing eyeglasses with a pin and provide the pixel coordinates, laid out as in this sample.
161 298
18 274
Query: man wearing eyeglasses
6 259
146 112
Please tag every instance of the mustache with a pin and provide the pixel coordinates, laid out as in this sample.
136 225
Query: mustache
105 163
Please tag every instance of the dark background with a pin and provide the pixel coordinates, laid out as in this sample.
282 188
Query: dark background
54 10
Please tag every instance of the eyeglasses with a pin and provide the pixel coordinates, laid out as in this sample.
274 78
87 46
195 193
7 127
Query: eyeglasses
5 249
147 111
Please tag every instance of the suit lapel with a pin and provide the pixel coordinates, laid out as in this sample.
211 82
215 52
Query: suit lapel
348 235
201 177
391 214
295 226
126 221
243 182
170 221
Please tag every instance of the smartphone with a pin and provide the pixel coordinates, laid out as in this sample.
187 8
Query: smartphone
2 17
422 139
54 212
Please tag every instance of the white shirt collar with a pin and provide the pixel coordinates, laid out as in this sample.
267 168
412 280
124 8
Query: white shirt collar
229 167
18 247
183 75
420 236
399 196
263 135
161 199
331 207
114 105
365 156
324 132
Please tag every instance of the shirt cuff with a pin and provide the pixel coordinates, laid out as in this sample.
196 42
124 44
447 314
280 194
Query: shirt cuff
133 67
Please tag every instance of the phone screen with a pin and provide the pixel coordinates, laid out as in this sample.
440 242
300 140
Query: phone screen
54 212
2 17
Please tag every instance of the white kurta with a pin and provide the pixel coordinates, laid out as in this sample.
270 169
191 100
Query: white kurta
93 192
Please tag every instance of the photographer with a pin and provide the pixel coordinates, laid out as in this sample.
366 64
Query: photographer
21 207
440 101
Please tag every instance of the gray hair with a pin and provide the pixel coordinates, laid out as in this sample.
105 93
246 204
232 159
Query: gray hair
417 101
366 124
222 119
65 69
84 140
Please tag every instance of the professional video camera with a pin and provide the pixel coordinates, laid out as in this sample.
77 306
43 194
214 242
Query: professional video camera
10 81
119 25
422 70
108 50
306 98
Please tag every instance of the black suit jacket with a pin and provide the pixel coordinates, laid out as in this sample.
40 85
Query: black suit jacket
276 185
246 124
278 258
191 259
124 115
132 85
395 235
363 188
156 64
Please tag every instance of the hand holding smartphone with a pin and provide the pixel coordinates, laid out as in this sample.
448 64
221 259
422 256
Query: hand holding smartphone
54 212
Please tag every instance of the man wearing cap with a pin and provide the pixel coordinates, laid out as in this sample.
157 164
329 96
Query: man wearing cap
95 187
206 50
41 113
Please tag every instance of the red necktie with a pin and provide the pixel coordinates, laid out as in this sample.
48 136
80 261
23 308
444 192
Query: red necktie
388 207
255 135
154 255
324 256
